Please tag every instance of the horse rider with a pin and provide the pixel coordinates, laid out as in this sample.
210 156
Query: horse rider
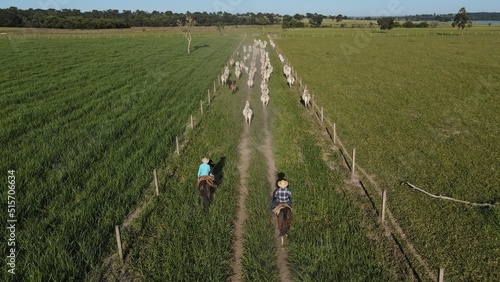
205 172
282 194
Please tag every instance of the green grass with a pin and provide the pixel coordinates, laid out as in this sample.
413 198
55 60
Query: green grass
84 122
421 109
327 242
177 242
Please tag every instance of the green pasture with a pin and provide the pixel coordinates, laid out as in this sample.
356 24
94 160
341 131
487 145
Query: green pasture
86 117
135 32
424 110
176 240
327 241
354 27
83 123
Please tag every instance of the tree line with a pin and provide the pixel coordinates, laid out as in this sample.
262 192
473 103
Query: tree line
482 16
95 19
76 19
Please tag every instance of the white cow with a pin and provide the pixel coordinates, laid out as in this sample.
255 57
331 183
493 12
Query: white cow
223 79
306 97
290 80
287 70
237 72
247 113
282 60
265 99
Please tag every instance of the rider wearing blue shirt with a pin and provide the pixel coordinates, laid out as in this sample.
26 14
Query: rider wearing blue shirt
204 169
204 172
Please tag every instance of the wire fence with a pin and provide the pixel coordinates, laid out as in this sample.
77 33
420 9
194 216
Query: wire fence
181 141
393 229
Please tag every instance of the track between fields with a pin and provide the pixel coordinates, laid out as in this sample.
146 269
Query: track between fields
267 150
244 163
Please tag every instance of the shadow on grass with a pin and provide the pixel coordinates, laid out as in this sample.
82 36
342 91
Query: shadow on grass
200 46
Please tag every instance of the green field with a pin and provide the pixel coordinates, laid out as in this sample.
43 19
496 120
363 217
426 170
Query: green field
87 116
419 109
84 123
176 241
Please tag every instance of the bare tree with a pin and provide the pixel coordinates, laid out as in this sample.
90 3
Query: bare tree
186 29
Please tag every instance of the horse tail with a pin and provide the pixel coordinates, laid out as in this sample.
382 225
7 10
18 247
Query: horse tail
286 216
204 189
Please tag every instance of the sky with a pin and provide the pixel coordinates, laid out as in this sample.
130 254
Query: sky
349 8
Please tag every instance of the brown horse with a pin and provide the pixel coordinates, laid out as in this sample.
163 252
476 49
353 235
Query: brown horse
205 187
284 213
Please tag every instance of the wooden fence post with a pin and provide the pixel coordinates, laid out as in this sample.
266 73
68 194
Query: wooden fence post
192 126
119 243
441 274
209 96
334 132
156 183
322 115
353 161
384 201
201 106
214 87
177 145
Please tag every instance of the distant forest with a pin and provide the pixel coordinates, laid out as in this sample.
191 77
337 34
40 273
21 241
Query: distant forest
484 16
75 19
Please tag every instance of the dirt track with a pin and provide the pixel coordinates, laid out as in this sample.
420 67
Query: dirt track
243 165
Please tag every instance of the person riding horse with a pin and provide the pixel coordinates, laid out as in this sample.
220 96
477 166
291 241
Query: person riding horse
282 194
282 208
205 172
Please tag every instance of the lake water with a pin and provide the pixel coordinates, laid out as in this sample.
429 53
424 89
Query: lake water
486 22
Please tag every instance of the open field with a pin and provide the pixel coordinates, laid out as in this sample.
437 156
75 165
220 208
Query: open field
177 240
424 110
84 122
125 32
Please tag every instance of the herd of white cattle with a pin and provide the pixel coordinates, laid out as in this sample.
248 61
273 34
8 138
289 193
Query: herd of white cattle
250 54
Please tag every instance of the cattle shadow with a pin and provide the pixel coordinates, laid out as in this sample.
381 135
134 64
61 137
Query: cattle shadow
302 102
200 46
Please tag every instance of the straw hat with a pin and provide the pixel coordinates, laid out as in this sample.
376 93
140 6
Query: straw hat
283 183
204 160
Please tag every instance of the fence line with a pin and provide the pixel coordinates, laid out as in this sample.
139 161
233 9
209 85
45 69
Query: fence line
349 161
156 34
176 152
387 34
